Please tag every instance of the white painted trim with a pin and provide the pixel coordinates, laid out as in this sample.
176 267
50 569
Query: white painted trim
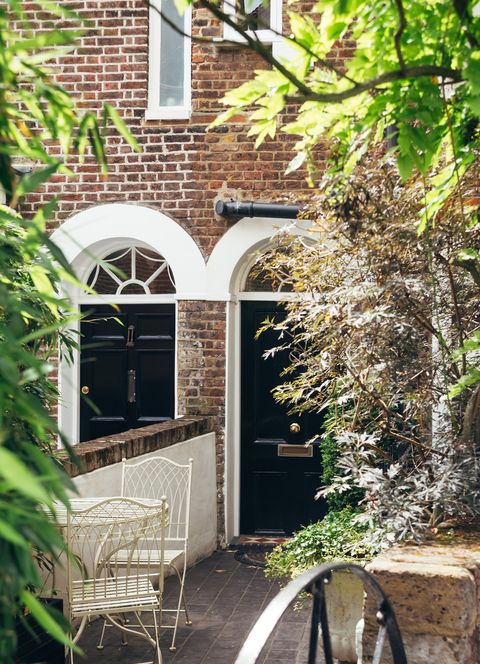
265 36
234 253
154 110
85 236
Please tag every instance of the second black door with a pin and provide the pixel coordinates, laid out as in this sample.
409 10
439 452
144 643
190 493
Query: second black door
127 368
278 477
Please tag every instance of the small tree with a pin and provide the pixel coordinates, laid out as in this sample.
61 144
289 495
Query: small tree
34 317
374 342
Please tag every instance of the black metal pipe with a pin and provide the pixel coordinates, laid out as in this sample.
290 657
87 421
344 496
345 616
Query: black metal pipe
250 209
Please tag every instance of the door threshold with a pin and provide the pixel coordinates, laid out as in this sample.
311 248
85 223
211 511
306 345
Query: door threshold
256 541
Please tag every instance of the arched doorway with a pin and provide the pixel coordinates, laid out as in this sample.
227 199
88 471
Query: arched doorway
279 470
168 266
127 351
229 278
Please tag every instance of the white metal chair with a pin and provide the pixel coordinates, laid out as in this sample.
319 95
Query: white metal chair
153 478
99 584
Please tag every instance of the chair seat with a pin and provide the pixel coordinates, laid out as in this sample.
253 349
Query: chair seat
170 556
105 595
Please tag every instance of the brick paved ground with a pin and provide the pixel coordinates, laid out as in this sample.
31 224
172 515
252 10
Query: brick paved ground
225 599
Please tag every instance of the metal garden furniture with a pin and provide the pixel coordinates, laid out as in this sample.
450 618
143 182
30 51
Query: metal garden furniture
150 479
314 582
98 583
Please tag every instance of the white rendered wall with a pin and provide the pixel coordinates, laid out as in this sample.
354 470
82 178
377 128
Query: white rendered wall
203 515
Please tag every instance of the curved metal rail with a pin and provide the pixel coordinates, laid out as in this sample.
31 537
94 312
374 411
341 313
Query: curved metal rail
314 581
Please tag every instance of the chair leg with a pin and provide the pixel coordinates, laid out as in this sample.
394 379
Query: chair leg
158 656
100 645
181 600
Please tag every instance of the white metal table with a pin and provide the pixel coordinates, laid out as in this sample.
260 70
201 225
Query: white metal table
127 511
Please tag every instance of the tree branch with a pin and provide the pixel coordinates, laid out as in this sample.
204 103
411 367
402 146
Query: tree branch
461 10
402 24
414 71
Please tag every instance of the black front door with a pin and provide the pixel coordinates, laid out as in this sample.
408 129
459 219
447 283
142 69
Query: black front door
127 368
278 483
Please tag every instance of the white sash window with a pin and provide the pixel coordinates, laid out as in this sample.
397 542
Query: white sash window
169 85
262 19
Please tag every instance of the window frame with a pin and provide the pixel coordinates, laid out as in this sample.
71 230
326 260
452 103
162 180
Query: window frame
154 110
266 36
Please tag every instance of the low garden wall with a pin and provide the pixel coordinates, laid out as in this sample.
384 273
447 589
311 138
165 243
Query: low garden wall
100 469
435 592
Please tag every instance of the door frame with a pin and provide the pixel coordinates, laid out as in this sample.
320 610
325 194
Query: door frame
103 228
233 381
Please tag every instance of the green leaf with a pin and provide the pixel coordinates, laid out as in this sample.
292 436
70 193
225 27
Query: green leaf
46 620
472 72
405 165
32 181
20 478
474 102
296 162
181 5
121 127
9 533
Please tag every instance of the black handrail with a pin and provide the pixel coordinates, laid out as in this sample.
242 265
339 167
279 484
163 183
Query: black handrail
314 581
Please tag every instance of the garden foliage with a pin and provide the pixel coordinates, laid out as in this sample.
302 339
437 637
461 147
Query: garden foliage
336 537
35 116
373 338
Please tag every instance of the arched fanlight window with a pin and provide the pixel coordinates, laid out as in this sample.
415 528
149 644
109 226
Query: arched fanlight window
132 271
259 280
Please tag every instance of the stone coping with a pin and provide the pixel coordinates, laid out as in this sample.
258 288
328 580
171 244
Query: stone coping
105 451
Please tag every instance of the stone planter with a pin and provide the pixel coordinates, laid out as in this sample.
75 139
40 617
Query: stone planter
344 607
435 593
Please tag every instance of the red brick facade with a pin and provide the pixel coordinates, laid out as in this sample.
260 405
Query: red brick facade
180 171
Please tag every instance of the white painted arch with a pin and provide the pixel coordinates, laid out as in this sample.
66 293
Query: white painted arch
84 238
236 251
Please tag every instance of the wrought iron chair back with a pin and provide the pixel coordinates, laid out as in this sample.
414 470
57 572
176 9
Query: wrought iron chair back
158 476
99 582
314 582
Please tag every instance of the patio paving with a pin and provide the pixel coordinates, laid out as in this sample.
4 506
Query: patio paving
225 599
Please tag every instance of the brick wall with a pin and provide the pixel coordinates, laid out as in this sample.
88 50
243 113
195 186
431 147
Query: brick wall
182 166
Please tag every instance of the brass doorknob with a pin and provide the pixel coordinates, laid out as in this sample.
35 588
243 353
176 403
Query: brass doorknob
85 389
294 427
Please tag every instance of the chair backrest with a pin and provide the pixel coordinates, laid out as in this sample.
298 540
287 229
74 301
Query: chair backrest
314 582
97 534
156 477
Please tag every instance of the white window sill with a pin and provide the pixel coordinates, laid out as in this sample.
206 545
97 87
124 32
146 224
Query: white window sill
264 36
168 113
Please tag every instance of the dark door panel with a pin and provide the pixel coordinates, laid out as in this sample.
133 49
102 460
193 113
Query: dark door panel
269 501
127 368
155 384
277 493
155 327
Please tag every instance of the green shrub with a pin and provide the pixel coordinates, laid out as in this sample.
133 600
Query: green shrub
336 501
336 537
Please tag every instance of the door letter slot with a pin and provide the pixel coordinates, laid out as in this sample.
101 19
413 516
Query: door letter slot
294 451
131 396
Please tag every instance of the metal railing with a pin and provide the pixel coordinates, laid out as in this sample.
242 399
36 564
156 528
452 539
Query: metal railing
314 582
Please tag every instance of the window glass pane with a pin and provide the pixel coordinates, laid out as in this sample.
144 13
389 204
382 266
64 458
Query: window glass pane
256 14
259 281
135 263
172 57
